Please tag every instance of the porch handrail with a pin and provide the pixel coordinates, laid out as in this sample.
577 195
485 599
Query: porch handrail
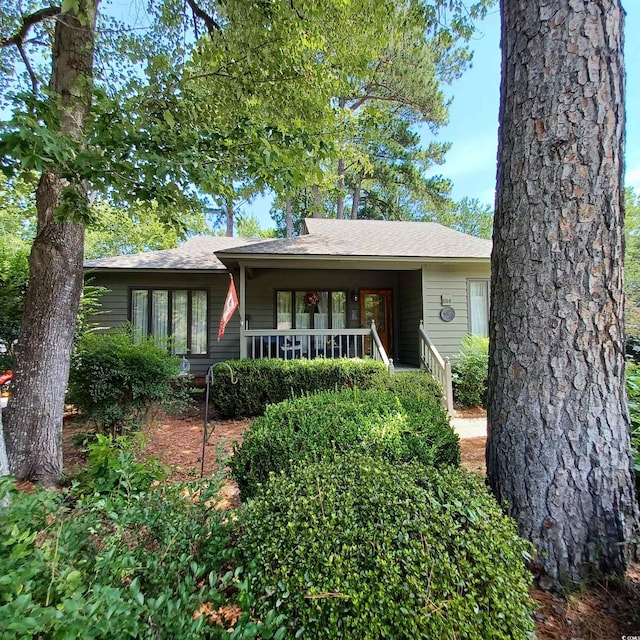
439 367
378 352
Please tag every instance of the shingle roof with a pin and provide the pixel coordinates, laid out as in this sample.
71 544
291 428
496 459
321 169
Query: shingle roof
195 253
324 237
372 238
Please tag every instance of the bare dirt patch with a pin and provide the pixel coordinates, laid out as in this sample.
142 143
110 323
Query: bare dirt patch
472 455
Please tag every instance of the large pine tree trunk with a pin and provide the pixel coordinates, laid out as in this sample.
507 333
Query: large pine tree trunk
558 451
34 416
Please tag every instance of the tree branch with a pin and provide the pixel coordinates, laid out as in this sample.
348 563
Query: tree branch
294 8
27 64
210 23
28 22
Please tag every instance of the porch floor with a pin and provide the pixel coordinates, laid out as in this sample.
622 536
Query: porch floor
401 366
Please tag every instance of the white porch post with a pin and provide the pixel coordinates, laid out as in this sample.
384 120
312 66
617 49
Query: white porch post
243 327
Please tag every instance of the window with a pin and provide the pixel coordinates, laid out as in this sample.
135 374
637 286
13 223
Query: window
478 292
179 313
311 309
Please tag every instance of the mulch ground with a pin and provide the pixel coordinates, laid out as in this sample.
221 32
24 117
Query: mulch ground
603 612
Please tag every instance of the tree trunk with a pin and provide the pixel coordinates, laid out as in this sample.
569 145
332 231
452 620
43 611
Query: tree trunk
340 201
317 201
288 215
558 452
355 202
35 411
4 462
229 212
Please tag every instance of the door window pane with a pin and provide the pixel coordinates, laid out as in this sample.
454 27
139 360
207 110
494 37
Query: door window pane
479 307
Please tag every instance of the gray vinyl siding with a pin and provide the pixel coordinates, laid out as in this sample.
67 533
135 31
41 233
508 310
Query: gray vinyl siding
449 280
115 307
409 314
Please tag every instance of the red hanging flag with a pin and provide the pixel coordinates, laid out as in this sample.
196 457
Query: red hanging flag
230 305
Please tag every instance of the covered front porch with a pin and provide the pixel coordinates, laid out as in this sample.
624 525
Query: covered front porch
331 313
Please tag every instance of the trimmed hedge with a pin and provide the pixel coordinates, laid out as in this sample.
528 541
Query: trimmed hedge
403 427
368 549
258 383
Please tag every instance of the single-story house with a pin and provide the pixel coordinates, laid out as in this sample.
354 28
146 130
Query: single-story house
405 291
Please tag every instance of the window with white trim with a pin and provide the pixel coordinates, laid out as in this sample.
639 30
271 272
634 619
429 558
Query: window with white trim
478 295
180 314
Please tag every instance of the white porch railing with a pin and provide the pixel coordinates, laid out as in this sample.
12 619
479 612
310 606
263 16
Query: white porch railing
439 367
377 349
291 344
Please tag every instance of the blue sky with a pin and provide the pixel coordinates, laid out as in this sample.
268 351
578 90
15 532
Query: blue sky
473 121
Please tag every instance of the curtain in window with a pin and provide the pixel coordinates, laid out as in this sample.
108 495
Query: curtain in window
339 309
321 319
199 322
160 316
479 307
140 312
283 310
302 312
179 322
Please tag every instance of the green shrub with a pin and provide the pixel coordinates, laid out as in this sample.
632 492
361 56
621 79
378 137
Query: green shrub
414 388
257 383
114 381
471 371
125 564
113 465
326 424
363 548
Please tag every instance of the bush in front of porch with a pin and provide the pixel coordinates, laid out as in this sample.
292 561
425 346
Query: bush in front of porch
257 383
360 547
399 427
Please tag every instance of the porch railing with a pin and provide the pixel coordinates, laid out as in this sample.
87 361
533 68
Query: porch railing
377 348
439 367
291 344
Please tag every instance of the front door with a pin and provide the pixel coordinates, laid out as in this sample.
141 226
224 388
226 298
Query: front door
376 305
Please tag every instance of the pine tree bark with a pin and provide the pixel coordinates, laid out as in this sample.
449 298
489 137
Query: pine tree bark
558 451
35 411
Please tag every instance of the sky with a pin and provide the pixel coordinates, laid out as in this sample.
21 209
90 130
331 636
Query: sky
473 116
